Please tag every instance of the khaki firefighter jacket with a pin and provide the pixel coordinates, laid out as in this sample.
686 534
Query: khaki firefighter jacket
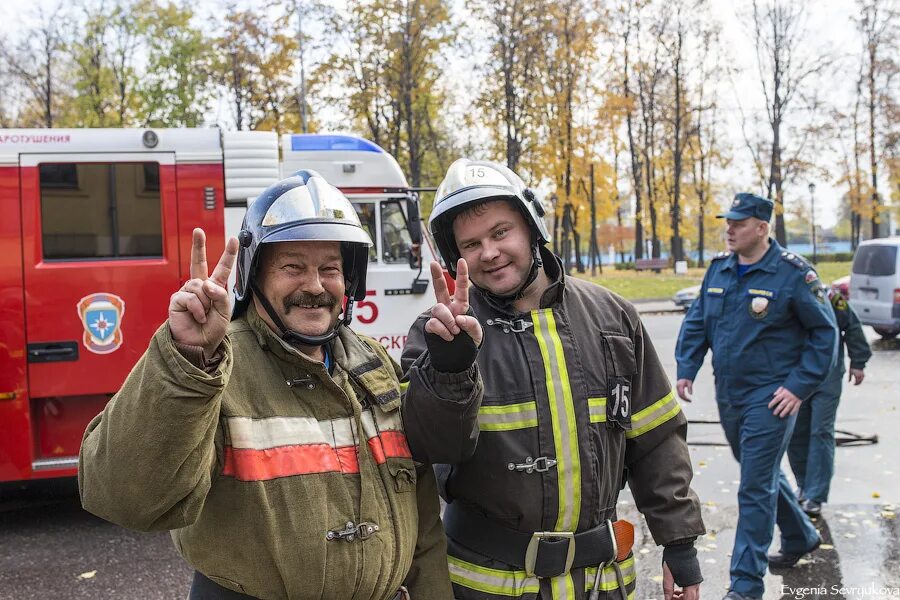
576 391
262 468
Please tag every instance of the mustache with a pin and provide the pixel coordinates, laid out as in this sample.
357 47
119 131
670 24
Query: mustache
307 299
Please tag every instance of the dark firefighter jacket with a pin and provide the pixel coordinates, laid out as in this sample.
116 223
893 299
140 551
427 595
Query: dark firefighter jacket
852 335
576 381
253 465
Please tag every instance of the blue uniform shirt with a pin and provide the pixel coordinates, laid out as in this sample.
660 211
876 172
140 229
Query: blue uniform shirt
773 326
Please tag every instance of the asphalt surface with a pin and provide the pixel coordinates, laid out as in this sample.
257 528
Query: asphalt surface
861 554
50 548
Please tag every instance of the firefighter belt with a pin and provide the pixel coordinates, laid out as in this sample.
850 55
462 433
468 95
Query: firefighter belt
541 554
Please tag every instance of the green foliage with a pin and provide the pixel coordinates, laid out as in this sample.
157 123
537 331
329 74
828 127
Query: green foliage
176 89
389 80
255 62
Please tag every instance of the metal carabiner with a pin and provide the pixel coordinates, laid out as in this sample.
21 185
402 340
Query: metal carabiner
350 532
541 464
515 325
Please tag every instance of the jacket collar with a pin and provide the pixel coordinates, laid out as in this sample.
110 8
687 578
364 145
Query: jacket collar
768 262
553 268
551 295
350 353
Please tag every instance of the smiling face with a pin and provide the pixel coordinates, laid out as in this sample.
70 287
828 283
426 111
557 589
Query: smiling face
745 237
304 282
495 240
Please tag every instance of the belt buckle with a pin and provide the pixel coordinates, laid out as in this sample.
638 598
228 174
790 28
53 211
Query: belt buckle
531 553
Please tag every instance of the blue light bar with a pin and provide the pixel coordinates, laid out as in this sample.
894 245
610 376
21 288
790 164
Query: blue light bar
306 142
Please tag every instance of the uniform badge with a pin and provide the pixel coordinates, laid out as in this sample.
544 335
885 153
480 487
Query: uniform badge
618 403
810 277
759 307
101 316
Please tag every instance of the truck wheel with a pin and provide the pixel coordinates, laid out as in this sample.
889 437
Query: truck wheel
887 334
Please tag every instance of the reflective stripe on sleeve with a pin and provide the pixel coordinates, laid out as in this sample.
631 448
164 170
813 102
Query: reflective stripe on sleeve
562 415
654 415
491 581
507 418
597 409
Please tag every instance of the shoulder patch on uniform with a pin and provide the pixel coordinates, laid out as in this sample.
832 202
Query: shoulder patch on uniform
721 255
798 261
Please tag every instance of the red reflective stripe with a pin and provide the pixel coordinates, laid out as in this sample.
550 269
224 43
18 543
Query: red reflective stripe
349 459
247 464
259 465
395 445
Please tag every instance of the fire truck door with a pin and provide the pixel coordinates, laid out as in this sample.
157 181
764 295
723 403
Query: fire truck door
100 254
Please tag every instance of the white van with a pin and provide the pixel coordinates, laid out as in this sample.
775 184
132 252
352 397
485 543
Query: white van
875 285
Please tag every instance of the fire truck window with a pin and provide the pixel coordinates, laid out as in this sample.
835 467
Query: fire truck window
366 212
395 240
100 210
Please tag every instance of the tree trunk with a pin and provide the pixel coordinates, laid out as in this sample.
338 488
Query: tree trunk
775 182
873 155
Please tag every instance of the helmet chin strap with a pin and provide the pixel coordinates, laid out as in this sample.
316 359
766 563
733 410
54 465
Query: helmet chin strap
506 300
296 338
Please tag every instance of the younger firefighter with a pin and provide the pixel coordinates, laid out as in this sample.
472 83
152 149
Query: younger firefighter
269 440
576 404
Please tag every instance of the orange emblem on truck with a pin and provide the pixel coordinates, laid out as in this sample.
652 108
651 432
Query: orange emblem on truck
101 316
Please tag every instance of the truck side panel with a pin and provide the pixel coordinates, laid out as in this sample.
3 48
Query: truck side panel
200 186
15 421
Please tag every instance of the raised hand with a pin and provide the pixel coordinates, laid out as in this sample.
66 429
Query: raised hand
448 316
200 311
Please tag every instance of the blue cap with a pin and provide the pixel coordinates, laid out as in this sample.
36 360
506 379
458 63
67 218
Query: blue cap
747 205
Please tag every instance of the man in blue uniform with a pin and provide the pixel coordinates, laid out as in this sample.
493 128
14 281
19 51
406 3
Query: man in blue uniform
764 314
811 451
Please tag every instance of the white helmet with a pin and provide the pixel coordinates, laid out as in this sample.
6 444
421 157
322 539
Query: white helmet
471 182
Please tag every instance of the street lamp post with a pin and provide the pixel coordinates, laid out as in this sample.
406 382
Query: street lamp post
812 208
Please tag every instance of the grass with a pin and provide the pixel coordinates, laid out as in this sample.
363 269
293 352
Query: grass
646 285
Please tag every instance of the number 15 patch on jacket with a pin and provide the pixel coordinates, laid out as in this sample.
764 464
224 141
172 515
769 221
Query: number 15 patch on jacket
618 407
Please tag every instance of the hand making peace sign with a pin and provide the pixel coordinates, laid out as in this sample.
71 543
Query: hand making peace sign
200 311
448 316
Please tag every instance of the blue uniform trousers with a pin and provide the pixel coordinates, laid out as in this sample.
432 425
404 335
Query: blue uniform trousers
811 451
758 440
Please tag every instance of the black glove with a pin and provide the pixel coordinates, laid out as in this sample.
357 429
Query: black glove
451 357
683 563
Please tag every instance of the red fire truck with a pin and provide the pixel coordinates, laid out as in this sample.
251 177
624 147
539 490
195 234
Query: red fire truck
95 235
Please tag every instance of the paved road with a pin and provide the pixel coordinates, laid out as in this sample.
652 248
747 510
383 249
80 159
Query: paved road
50 548
858 524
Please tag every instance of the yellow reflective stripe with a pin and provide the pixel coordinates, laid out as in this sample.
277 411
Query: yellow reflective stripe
597 410
403 386
507 426
562 417
608 581
562 587
491 581
654 415
508 417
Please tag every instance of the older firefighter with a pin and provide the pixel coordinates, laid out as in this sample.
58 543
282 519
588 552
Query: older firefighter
272 445
576 404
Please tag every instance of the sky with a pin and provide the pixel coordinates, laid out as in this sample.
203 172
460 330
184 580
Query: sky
830 27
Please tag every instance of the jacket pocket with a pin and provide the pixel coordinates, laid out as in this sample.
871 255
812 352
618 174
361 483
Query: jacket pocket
403 472
622 356
713 301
